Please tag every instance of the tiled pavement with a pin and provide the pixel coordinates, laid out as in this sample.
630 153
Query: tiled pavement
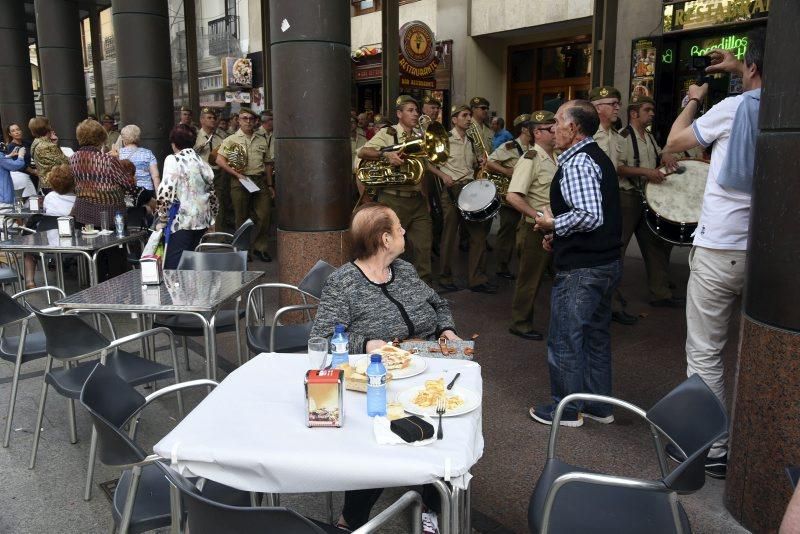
648 362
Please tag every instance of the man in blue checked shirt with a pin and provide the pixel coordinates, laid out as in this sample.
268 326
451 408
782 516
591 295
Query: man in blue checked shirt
584 233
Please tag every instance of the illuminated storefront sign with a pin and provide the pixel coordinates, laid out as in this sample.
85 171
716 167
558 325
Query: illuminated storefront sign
736 44
689 15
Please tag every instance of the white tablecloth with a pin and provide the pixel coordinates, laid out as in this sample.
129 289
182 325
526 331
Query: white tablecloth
250 433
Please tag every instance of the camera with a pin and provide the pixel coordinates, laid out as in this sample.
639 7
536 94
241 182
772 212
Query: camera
699 63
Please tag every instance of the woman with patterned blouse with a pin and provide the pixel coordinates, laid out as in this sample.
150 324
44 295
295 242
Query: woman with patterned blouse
100 182
188 183
44 150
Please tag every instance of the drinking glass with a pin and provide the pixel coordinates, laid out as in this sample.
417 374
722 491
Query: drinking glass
103 220
317 352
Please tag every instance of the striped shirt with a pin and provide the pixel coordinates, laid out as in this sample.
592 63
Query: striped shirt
580 186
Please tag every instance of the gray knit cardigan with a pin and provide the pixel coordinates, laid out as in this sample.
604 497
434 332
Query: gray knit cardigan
404 307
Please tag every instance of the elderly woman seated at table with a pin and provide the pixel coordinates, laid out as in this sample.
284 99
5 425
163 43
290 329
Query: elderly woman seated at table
378 298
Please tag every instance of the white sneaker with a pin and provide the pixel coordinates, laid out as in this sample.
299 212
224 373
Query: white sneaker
430 523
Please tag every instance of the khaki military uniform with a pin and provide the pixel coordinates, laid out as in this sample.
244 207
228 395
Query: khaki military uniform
355 145
222 133
113 137
207 150
532 177
460 167
410 205
507 155
256 206
655 251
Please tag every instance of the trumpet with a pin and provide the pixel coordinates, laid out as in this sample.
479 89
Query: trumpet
500 181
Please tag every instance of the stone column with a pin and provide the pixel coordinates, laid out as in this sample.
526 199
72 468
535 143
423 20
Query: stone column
61 63
310 54
765 430
390 56
16 89
144 71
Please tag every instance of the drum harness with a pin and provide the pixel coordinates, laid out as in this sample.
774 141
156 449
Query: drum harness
637 161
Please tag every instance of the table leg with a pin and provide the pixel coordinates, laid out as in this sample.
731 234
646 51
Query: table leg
59 272
208 340
212 353
468 509
446 496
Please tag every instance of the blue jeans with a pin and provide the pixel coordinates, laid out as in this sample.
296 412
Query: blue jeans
579 342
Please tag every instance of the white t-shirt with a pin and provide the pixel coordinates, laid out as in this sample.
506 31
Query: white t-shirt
58 205
725 217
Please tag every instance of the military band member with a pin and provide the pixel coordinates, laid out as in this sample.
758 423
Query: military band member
222 127
639 159
256 206
455 173
431 107
502 161
186 117
357 140
207 146
606 102
233 124
529 192
408 201
111 130
266 130
479 107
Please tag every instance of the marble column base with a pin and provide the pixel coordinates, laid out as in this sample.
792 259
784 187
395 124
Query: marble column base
299 251
765 428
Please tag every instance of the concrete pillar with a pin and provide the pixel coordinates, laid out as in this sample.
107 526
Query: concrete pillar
765 430
604 41
390 56
16 89
310 50
144 71
61 62
190 27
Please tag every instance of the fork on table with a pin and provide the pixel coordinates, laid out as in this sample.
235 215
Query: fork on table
441 407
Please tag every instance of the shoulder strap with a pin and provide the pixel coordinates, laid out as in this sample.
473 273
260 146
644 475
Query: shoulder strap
653 140
632 135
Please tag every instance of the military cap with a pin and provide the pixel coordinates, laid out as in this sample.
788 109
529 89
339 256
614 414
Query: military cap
455 110
186 108
431 100
107 118
638 100
266 113
478 101
248 111
543 117
522 118
605 91
403 100
209 111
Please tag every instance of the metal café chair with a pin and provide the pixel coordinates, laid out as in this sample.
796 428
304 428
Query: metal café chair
21 349
71 340
141 499
690 417
206 516
227 320
239 240
276 337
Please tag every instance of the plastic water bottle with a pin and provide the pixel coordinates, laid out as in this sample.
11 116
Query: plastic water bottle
376 386
339 354
119 224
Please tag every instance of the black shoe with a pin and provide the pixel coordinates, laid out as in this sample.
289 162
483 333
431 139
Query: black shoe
623 318
533 335
672 302
506 274
263 256
714 467
448 287
484 288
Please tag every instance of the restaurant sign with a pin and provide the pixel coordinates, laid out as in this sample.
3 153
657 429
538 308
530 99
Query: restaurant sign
694 14
417 50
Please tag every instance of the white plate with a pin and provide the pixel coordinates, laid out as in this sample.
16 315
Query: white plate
471 401
415 367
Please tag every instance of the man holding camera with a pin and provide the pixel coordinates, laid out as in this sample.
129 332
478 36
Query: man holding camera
719 254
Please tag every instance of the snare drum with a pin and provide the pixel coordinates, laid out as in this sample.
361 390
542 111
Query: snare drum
478 201
672 208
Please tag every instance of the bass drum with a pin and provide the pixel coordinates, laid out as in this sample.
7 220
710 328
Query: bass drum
478 201
672 208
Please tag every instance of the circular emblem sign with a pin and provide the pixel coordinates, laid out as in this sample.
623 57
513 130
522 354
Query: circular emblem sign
417 49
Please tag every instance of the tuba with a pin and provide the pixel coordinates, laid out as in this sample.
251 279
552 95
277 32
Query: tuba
500 181
236 154
430 143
